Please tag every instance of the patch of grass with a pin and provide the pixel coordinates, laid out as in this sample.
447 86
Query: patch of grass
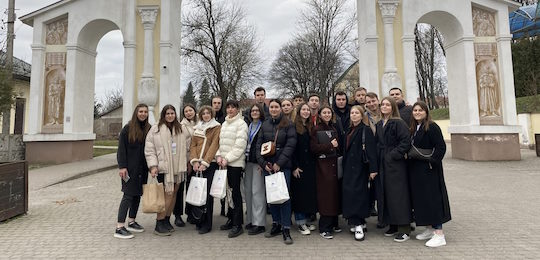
440 114
106 142
100 152
530 104
34 166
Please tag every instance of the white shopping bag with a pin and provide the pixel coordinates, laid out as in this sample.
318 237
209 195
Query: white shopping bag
196 193
276 188
219 184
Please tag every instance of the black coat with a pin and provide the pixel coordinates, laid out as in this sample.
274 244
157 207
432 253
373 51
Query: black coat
285 143
252 155
131 156
356 173
393 182
304 189
405 112
428 189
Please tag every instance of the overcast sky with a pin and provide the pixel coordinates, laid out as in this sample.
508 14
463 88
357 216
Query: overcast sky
275 21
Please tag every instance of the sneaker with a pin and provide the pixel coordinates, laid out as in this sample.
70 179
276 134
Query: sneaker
248 226
179 222
203 230
228 225
167 224
358 233
135 227
303 229
327 235
436 241
123 233
337 229
276 230
236 231
287 239
353 228
427 234
391 231
161 228
401 237
255 230
311 227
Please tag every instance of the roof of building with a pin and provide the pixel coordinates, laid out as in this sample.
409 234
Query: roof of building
21 69
28 19
525 21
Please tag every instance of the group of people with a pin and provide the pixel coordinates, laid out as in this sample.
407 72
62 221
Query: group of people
337 160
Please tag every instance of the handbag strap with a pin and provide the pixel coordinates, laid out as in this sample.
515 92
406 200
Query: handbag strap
275 137
364 138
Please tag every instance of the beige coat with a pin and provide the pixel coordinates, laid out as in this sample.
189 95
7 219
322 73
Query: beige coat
205 143
158 152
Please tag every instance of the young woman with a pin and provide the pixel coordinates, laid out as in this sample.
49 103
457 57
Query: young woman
202 153
133 170
287 107
359 166
428 189
230 156
279 128
325 147
254 189
188 122
394 200
166 156
303 185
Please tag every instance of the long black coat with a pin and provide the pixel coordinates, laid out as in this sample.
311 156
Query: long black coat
428 189
285 143
328 190
393 181
304 189
131 156
356 173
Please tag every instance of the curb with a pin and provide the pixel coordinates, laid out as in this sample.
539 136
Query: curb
80 175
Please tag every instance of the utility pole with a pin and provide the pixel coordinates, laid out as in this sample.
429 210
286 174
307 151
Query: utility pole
6 115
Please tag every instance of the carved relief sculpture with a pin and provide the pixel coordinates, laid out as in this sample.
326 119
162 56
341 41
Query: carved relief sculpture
483 22
57 32
55 81
488 83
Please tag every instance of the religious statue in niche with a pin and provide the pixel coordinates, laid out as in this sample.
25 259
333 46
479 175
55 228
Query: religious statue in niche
488 84
483 22
55 84
57 32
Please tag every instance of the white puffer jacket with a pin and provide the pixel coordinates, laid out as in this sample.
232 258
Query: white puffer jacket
233 141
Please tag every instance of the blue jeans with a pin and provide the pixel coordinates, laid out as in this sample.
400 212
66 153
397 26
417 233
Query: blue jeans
438 226
281 213
300 218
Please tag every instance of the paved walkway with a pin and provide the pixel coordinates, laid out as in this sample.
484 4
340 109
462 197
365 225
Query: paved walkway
494 206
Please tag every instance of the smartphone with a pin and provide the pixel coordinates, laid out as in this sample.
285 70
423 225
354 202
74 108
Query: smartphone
126 178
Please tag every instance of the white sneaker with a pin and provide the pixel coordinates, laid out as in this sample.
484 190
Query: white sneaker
436 241
359 233
311 227
303 229
353 228
427 234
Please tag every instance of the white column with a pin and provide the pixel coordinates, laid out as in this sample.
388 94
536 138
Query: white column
409 68
390 78
148 85
506 80
130 59
37 86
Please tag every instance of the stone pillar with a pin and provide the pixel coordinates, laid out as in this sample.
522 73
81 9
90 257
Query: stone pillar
390 78
148 91
409 69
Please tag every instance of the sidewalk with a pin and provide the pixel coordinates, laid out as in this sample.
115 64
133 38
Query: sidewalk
51 175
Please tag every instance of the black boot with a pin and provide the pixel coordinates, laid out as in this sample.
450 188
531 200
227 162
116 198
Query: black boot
161 229
287 239
236 231
179 222
276 230
228 225
167 223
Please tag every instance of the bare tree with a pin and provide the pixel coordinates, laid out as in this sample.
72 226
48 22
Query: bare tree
314 59
221 46
113 99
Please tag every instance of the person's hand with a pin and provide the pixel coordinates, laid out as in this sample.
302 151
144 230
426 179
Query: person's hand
276 167
268 167
334 143
372 175
123 173
196 167
202 168
223 163
259 169
154 171
296 172
219 160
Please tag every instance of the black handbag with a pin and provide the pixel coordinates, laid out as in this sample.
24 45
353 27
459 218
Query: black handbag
198 214
420 153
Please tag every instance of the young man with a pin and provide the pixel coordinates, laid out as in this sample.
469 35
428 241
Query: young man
373 113
314 105
260 96
217 106
341 109
405 111
297 100
360 96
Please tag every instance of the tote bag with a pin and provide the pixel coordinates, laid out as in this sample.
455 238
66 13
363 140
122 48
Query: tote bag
219 184
153 198
276 188
196 193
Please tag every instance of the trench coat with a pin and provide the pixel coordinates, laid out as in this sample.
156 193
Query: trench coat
131 156
304 189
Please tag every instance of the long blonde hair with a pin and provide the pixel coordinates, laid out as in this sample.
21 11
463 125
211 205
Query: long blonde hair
395 109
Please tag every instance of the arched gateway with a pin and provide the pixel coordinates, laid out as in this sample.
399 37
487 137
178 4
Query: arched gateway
477 40
66 35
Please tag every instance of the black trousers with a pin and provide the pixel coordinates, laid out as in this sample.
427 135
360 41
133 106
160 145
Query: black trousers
356 221
327 223
209 175
130 203
234 178
179 204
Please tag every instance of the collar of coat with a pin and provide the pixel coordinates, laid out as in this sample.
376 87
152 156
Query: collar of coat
234 118
201 127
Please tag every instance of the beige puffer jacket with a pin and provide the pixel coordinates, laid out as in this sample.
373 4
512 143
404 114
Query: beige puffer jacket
233 141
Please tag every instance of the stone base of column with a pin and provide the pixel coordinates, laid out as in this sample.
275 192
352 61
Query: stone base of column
59 151
486 147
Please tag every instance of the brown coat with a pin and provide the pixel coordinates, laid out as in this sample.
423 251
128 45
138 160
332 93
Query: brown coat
204 143
328 192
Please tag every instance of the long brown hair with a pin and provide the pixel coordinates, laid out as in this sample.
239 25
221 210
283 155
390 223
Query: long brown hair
393 104
194 110
175 125
136 133
364 119
302 125
332 120
426 121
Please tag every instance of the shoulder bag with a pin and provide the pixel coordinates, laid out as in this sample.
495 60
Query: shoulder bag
268 149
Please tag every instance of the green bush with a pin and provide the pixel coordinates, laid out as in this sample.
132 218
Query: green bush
440 114
530 104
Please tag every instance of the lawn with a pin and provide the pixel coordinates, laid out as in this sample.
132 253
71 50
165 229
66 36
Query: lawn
100 152
106 142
